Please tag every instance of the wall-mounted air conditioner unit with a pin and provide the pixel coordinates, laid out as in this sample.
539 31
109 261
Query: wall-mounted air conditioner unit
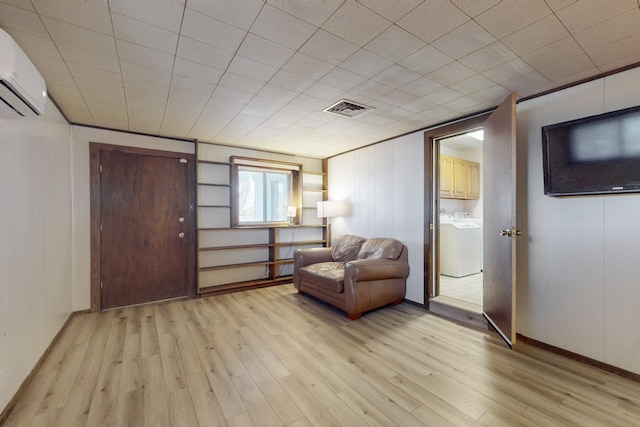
23 92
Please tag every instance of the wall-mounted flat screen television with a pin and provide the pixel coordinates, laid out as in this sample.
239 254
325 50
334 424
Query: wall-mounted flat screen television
593 155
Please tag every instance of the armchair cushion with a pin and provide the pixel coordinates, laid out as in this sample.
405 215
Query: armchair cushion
380 248
346 248
326 275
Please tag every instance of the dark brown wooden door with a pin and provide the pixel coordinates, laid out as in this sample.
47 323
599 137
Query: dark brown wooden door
499 220
144 252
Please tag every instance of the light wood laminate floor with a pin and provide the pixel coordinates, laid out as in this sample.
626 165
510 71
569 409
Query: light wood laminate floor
271 357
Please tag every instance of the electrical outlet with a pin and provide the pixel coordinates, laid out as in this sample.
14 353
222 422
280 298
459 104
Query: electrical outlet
1 377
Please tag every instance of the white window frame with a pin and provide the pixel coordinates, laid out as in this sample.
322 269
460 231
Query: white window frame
294 170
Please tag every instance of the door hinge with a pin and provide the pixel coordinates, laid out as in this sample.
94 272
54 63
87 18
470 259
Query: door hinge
183 160
100 167
100 226
101 287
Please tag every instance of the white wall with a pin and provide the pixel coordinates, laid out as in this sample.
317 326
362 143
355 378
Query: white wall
578 286
81 253
580 290
35 247
384 184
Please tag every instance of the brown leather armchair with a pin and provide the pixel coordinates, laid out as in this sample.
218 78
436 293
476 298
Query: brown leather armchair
355 274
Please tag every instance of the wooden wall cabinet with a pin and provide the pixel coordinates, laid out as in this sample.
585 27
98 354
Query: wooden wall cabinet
446 177
459 178
473 180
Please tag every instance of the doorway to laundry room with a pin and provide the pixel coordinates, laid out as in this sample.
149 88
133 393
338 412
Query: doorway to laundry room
459 281
491 181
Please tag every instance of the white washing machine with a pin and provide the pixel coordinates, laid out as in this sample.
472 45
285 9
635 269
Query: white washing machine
460 248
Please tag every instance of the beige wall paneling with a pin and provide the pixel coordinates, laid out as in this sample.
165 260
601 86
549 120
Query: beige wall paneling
580 292
36 246
384 185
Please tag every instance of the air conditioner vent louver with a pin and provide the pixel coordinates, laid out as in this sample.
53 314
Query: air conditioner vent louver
347 108
23 92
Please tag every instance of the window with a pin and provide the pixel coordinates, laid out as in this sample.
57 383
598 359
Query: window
263 190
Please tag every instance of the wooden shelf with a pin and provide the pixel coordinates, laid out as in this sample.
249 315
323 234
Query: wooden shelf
261 227
207 184
263 245
239 265
247 264
233 287
300 243
226 248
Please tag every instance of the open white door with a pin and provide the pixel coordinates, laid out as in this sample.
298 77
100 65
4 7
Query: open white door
500 225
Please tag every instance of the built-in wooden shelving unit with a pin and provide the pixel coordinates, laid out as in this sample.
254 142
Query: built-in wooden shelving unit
235 258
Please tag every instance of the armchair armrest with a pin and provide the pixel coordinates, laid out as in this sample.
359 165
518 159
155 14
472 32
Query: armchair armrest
375 269
373 282
304 257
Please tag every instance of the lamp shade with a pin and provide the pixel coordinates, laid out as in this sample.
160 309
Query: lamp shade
332 208
291 211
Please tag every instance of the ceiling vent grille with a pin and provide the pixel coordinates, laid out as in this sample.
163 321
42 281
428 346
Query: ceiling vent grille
347 108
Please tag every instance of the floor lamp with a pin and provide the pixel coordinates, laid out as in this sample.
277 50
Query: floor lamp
330 209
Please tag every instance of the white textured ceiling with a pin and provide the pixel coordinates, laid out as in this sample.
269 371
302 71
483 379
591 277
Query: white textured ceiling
258 74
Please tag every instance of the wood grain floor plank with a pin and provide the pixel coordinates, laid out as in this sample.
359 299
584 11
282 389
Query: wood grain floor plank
302 422
181 409
266 356
365 410
46 419
175 377
241 420
205 404
314 384
458 411
429 417
188 352
58 393
150 340
257 405
28 405
312 409
546 406
377 397
226 393
155 409
273 357
226 342
129 408
333 381
105 398
280 401
132 355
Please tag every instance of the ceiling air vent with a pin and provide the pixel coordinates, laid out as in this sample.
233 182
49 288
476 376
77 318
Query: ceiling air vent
347 108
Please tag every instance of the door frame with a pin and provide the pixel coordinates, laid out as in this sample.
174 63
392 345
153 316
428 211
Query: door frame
431 151
95 214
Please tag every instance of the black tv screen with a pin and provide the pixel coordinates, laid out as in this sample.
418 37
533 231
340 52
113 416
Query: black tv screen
593 155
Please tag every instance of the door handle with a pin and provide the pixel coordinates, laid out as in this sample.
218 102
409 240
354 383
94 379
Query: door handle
181 235
512 232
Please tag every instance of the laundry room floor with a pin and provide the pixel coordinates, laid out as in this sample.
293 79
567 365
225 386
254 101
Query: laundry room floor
467 288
